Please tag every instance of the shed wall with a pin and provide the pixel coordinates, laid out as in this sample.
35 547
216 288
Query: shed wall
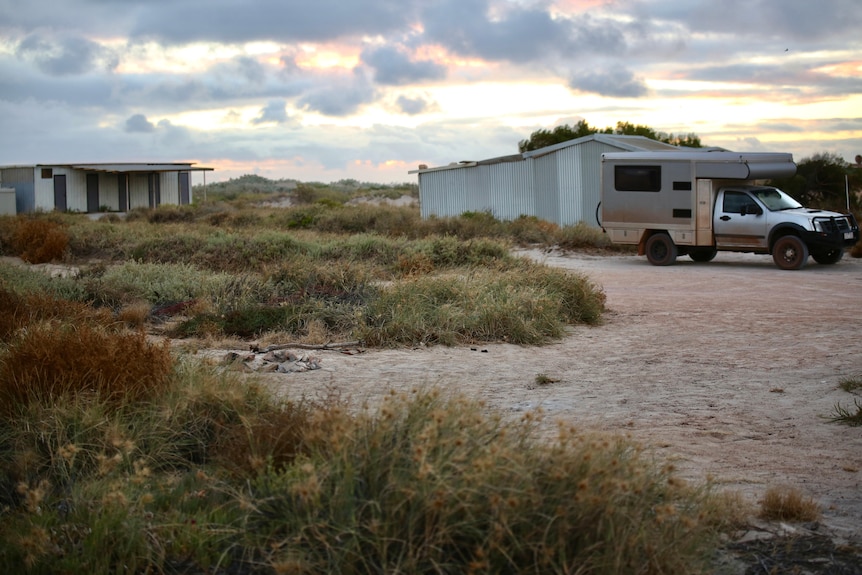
562 186
23 181
510 190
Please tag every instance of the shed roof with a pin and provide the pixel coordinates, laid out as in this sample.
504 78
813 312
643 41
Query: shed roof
626 143
124 168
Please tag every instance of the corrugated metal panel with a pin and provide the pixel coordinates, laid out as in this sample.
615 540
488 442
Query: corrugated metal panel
443 192
591 182
109 196
511 190
170 188
22 179
560 183
545 187
569 184
7 202
139 191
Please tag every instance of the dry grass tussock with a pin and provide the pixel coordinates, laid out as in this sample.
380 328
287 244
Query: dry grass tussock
788 504
39 240
56 349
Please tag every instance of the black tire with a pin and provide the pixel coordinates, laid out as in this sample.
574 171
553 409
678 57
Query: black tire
828 257
660 250
790 253
702 254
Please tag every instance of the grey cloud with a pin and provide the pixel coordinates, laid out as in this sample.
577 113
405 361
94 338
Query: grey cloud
781 127
799 21
395 68
283 20
273 112
245 68
519 34
616 81
60 56
139 124
413 106
787 79
341 97
21 82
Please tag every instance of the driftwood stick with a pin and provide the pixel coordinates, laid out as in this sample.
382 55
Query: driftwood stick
305 346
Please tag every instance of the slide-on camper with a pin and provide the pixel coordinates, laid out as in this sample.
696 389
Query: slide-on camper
699 203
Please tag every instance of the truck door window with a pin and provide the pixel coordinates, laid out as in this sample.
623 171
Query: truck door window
734 202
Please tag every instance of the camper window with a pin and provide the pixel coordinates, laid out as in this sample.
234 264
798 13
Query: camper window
637 178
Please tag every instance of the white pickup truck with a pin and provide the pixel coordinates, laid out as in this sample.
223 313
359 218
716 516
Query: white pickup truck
698 203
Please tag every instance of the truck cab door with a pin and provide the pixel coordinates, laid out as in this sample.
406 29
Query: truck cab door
739 221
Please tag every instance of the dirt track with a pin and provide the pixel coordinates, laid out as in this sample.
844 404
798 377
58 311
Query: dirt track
730 368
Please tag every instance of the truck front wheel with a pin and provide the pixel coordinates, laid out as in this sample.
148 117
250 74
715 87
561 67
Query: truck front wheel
790 253
828 257
660 250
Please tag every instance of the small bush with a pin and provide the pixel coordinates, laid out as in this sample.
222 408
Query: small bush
52 360
19 311
171 214
841 414
432 485
38 240
153 283
851 384
788 504
25 281
581 236
525 306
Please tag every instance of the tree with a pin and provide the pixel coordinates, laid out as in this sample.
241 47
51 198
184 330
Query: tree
564 133
820 181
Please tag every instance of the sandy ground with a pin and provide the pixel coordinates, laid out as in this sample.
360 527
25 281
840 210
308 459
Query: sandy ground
730 369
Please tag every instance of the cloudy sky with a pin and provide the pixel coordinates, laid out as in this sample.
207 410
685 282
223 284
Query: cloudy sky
369 89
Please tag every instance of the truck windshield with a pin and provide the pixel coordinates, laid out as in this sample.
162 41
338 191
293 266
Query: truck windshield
774 199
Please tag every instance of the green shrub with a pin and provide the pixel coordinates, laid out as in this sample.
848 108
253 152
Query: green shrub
22 280
171 214
429 485
524 306
152 282
212 474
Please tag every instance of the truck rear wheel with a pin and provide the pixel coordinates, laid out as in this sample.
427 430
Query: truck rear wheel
702 254
660 250
790 253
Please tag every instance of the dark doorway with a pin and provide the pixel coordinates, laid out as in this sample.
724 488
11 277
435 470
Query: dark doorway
155 190
185 188
92 193
122 188
60 193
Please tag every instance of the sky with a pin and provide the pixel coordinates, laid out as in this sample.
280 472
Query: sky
370 89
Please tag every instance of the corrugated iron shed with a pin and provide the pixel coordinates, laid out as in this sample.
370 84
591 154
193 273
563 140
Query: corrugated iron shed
559 183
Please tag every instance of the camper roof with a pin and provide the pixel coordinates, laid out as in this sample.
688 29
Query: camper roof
734 165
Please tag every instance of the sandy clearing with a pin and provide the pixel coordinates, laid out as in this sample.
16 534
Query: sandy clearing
728 368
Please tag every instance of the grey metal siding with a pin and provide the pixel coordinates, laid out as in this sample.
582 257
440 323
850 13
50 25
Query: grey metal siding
561 183
569 186
444 193
545 188
23 180
139 191
511 190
